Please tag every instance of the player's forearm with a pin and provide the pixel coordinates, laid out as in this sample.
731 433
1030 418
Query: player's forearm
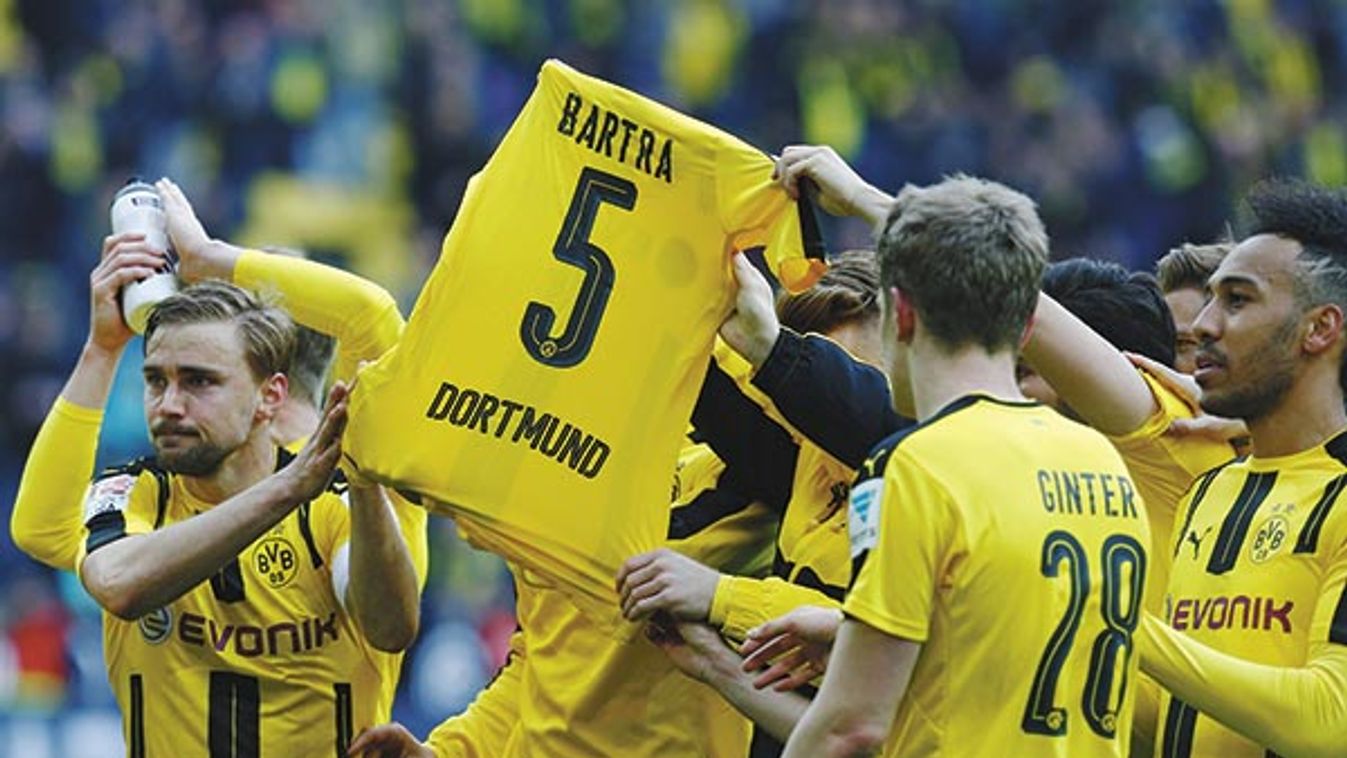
361 315
91 382
842 405
384 591
741 603
776 712
1292 711
819 733
1087 372
215 259
47 518
136 574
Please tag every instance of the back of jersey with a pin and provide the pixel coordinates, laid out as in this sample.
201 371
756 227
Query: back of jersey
548 370
1011 543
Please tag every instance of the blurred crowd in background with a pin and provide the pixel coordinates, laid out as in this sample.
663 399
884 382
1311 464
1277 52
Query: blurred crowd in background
349 128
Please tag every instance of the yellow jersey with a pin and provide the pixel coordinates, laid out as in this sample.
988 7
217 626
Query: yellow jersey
573 687
1012 543
1259 567
263 658
543 384
1163 468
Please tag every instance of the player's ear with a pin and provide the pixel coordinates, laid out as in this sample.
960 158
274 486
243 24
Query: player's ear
273 392
1325 329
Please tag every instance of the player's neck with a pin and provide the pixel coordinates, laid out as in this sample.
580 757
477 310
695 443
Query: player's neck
295 421
939 376
1308 415
252 462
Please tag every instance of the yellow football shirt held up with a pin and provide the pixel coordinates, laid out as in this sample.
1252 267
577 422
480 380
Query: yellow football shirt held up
544 382
1012 544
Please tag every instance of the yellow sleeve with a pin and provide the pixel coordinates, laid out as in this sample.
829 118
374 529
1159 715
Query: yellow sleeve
1293 711
121 501
360 314
741 603
47 522
755 210
1168 465
902 533
483 730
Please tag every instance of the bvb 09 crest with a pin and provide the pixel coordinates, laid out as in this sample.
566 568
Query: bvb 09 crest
275 560
1269 539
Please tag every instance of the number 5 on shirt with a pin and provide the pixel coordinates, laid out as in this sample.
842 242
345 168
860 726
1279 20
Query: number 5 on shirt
574 248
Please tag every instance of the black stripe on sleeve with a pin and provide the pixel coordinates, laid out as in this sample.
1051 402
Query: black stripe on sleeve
1308 541
1180 721
811 237
104 529
1236 525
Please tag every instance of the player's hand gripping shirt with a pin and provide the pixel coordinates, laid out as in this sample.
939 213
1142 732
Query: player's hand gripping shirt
1260 561
262 659
543 384
571 689
1012 544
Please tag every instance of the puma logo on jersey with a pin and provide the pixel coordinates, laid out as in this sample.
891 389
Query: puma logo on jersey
1196 541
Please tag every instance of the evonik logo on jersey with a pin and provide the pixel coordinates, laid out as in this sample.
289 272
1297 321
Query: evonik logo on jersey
1232 612
248 641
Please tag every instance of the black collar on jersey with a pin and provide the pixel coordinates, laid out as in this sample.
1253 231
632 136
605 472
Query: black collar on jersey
1337 447
965 401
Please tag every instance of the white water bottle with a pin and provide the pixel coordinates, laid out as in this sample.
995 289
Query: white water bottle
138 208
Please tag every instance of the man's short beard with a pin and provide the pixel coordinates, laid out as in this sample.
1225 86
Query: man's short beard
201 459
1256 398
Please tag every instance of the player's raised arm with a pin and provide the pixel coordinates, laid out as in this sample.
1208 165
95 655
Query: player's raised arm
1088 374
47 518
841 404
361 315
132 574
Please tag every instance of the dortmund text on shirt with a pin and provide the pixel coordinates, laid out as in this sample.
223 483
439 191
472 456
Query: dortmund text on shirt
611 135
517 424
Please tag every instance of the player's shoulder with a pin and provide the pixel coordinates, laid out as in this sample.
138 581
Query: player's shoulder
914 435
144 466
112 488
